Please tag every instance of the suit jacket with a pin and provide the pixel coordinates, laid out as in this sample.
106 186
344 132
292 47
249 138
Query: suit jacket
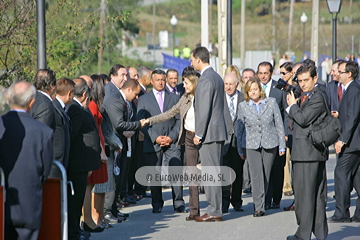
349 114
61 135
332 95
264 129
110 89
312 110
148 107
280 97
117 110
43 110
26 155
231 126
209 104
182 107
85 142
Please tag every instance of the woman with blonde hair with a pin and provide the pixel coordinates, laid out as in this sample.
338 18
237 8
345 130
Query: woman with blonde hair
235 69
260 135
185 107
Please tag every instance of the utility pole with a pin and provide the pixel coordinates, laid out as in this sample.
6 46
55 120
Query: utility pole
41 34
273 27
291 17
102 34
242 34
315 32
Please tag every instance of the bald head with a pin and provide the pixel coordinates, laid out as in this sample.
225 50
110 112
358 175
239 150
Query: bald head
231 81
88 80
21 95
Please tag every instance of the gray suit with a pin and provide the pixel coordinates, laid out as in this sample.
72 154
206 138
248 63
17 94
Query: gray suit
309 173
154 154
260 134
232 158
210 127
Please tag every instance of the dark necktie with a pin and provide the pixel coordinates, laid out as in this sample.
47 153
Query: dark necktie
174 90
339 92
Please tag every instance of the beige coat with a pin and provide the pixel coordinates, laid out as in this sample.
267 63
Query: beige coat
181 107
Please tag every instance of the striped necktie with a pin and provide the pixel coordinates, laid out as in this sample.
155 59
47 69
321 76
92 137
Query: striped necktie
232 109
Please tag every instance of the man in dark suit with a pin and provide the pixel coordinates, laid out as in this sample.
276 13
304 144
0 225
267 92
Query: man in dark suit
172 78
231 156
26 155
160 140
120 112
309 171
274 193
334 90
210 129
64 96
118 76
347 173
43 110
84 154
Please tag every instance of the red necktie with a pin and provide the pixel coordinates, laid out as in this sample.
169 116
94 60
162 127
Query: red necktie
303 98
339 92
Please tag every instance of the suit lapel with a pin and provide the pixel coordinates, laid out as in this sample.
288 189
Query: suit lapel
154 101
166 100
263 107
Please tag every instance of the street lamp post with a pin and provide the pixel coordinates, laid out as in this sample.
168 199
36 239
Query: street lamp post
334 8
173 22
303 19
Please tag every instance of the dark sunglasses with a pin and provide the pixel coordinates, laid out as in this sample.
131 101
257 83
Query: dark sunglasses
283 73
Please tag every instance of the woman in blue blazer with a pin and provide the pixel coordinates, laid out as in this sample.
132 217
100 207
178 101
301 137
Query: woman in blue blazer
260 135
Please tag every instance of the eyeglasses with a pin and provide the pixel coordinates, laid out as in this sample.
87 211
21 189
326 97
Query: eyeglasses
340 72
283 73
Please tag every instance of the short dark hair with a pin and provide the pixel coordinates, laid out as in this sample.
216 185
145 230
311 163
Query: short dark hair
44 79
249 70
64 85
157 71
202 53
309 61
171 70
80 87
131 83
105 77
114 69
287 65
271 68
353 68
307 68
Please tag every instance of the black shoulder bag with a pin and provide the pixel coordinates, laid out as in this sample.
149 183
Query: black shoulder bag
327 132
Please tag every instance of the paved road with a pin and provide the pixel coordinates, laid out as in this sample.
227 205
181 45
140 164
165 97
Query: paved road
276 224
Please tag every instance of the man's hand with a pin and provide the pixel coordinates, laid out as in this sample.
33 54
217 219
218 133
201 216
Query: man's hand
243 157
338 146
167 141
335 113
286 138
161 140
197 140
128 134
281 153
290 98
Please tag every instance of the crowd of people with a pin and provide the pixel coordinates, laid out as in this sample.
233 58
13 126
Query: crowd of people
103 128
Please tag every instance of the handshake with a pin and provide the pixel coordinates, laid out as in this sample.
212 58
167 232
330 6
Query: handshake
144 122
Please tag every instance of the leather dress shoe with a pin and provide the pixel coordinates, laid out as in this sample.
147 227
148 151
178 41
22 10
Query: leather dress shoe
258 214
355 219
111 219
239 209
84 235
247 190
156 210
89 229
290 208
207 218
191 217
292 237
180 209
225 210
129 199
125 215
267 206
338 220
275 206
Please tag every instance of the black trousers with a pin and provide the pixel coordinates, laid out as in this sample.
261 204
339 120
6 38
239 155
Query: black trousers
309 182
347 177
114 209
75 203
172 158
233 160
274 193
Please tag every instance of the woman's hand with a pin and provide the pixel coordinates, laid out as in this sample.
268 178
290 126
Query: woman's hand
281 153
243 157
